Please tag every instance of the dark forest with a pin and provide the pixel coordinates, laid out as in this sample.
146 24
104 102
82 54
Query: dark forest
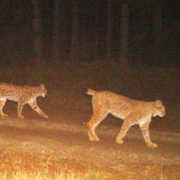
145 32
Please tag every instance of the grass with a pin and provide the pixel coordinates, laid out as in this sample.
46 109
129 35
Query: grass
43 176
16 165
26 166
22 165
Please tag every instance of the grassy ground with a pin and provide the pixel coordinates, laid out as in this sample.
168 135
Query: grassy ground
31 161
28 158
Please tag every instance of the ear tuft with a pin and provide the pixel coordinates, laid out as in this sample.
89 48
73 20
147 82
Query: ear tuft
157 103
42 86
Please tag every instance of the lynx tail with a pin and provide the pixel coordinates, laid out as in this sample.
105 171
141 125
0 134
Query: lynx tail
91 92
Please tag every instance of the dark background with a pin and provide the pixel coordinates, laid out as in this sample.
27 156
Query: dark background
17 32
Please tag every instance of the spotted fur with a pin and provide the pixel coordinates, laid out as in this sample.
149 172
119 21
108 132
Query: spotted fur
131 111
23 95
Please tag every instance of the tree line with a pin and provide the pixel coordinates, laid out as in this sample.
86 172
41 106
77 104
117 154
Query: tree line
128 31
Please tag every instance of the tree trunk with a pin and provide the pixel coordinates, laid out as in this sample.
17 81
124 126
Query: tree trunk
97 31
74 35
56 31
157 34
37 28
83 36
141 36
124 33
109 31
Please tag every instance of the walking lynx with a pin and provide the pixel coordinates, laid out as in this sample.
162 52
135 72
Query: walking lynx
131 111
23 95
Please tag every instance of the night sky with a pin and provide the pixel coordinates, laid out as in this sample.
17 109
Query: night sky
17 31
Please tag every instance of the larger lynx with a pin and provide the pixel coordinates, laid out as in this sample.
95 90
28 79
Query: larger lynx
131 111
23 95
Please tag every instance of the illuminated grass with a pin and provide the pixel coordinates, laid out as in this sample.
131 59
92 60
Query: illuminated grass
25 166
43 176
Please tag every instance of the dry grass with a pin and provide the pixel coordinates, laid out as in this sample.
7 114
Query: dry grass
17 163
26 166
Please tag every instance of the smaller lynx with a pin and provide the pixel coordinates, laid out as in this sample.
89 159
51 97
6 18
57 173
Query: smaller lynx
23 95
131 111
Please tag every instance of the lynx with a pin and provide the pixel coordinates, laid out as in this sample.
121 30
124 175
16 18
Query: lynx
131 111
23 95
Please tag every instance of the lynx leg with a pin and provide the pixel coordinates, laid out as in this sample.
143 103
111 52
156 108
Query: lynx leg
92 124
145 132
124 129
19 111
36 108
2 103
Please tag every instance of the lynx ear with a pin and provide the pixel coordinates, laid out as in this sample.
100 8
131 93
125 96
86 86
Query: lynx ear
42 86
157 103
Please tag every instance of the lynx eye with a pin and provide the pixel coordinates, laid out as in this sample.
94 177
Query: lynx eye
160 108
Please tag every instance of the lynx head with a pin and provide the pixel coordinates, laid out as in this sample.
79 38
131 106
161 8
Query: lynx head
159 109
43 90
